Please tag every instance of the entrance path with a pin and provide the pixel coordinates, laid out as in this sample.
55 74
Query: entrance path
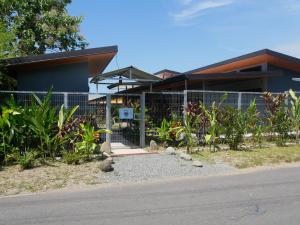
119 149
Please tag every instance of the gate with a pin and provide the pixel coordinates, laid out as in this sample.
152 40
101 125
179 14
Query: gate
124 116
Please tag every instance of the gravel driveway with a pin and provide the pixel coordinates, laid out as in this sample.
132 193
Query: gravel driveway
157 166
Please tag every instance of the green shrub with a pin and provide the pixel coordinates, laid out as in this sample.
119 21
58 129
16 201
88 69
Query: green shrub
281 126
234 126
72 158
12 157
27 161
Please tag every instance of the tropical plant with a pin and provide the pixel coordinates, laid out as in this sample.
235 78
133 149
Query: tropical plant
278 121
164 132
186 134
7 130
234 126
88 144
295 113
72 158
42 118
27 161
281 126
214 128
254 124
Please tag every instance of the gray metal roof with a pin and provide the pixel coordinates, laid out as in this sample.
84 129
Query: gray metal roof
129 73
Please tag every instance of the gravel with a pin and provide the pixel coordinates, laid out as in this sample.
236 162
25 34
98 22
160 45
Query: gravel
157 166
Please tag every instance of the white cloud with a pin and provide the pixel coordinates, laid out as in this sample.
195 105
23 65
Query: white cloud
193 9
292 49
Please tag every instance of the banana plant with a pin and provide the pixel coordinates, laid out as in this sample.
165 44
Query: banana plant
212 137
5 125
186 134
164 132
295 113
88 143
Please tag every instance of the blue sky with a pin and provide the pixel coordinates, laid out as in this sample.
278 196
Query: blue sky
186 34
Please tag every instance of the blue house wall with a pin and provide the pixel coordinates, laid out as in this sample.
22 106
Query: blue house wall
284 82
63 78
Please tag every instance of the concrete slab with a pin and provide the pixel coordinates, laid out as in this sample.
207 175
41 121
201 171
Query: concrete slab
119 149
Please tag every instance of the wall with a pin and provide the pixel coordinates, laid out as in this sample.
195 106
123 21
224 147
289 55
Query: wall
282 83
64 78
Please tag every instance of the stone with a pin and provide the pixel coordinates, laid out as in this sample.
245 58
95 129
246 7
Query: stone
197 163
106 166
153 146
185 156
105 147
107 155
170 151
110 159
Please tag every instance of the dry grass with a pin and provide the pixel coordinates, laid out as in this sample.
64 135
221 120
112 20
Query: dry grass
56 175
253 158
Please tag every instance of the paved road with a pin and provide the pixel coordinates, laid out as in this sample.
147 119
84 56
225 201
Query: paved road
269 197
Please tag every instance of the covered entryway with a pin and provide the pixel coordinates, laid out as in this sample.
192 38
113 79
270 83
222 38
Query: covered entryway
125 113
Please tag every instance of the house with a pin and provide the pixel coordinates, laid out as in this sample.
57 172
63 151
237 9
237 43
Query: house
264 70
64 71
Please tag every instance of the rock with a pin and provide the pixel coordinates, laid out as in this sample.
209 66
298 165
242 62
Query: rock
106 155
197 163
153 146
106 166
110 159
185 156
170 151
105 147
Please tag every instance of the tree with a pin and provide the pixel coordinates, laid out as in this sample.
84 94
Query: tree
41 25
6 51
6 42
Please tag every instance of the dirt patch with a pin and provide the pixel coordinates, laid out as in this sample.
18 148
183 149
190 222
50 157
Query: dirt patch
56 175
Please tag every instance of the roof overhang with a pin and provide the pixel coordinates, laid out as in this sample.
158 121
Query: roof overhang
252 59
126 74
97 59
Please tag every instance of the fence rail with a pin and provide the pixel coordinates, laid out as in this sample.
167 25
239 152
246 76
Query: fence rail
152 107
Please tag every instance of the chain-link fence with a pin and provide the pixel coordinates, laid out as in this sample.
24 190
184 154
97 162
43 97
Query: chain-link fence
148 109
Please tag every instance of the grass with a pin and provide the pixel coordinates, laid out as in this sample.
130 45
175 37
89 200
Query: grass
252 158
57 175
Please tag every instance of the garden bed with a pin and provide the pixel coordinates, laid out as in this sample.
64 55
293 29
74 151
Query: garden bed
252 158
55 175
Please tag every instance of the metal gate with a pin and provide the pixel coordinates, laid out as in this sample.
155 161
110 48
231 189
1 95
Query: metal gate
125 116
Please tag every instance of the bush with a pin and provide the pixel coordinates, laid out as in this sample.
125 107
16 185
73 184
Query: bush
235 126
27 161
72 158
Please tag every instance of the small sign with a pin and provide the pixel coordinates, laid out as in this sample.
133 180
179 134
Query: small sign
126 113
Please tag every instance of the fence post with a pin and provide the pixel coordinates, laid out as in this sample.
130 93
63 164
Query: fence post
108 117
66 103
240 100
185 103
142 120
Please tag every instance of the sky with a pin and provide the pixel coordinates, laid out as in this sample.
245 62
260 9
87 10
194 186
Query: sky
183 35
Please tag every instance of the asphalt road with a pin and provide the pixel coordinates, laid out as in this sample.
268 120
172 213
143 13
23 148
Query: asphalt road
266 197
